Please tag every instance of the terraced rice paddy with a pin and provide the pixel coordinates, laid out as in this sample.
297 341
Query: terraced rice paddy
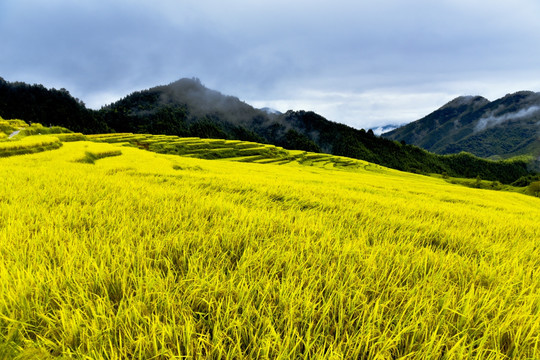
232 150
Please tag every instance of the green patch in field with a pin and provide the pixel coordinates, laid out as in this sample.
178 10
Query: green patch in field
90 157
187 167
66 137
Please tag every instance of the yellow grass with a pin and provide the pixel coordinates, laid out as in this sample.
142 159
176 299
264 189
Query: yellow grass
150 256
29 141
28 145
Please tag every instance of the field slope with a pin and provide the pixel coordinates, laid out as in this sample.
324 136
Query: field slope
114 252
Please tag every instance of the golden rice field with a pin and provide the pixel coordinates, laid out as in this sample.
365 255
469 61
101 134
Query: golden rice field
139 255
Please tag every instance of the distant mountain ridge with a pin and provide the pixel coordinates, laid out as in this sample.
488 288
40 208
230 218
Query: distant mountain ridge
502 128
187 108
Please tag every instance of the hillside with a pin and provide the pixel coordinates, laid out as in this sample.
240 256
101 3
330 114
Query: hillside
502 128
110 251
186 108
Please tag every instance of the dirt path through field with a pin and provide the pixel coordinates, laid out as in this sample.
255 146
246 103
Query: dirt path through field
14 133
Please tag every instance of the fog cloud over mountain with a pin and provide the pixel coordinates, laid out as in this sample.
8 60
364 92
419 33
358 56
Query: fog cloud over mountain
491 121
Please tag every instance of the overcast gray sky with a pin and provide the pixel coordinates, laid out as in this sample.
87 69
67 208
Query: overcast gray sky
365 63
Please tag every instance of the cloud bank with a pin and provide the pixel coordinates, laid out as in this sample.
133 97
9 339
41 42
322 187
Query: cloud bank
365 63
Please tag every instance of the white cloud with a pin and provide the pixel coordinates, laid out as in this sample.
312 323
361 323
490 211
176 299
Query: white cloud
492 121
361 110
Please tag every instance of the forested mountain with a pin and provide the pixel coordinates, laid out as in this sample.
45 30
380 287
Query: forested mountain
35 103
500 129
187 108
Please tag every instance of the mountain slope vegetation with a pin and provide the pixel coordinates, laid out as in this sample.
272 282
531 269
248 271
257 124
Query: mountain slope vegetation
502 128
187 108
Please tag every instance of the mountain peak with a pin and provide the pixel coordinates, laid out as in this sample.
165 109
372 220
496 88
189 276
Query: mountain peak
187 81
467 100
186 85
522 93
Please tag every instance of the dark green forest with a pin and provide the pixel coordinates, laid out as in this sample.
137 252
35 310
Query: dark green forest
187 108
49 107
